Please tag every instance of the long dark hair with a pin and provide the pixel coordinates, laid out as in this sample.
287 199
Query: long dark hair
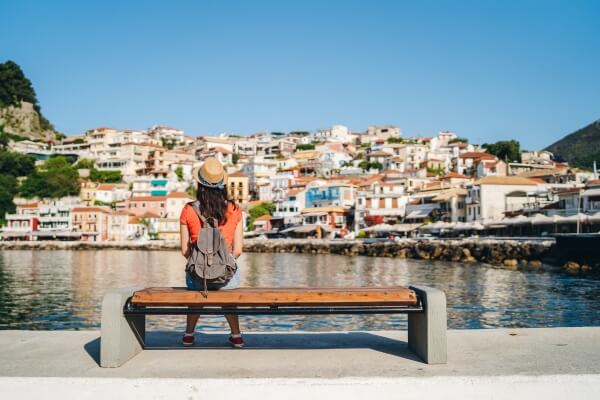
214 203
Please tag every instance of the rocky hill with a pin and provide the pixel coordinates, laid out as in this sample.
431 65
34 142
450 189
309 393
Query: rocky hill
20 113
580 148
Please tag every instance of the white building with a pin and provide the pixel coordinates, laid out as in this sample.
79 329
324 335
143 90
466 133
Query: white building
291 207
336 134
487 198
166 134
258 169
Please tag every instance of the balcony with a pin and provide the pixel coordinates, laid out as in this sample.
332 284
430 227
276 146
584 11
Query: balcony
472 200
19 217
54 218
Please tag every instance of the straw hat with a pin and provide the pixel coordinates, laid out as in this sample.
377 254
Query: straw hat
210 174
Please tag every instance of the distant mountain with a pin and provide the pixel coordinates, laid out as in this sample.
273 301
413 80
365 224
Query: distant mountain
20 113
580 148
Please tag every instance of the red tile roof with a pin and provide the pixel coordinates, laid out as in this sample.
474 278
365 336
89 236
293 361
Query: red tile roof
454 175
91 209
179 195
477 155
147 198
28 205
105 186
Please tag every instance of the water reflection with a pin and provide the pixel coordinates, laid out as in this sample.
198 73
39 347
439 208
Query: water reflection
63 289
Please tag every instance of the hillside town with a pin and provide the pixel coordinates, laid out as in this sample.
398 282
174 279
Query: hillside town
333 183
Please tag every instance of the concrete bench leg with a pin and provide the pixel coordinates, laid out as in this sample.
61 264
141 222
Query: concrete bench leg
427 330
121 338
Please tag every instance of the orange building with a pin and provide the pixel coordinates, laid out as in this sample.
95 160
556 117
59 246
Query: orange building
91 222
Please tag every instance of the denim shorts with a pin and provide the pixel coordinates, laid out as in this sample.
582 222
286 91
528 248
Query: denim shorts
196 284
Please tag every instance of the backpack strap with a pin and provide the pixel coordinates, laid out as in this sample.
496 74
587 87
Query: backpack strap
196 207
205 225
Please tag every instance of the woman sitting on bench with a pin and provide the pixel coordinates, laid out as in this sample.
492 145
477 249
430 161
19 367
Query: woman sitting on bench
213 203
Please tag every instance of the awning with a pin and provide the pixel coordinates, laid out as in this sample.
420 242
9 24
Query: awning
419 214
305 228
379 228
314 214
15 234
591 193
56 234
392 228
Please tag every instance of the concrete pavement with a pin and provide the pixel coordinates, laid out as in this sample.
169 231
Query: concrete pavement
481 353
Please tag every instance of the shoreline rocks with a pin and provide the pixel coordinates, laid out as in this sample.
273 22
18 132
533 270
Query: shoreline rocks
497 252
507 253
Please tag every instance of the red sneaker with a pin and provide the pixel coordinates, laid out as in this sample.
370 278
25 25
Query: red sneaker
187 340
237 342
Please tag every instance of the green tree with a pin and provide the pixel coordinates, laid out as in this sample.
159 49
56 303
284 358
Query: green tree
105 176
16 164
4 139
435 171
15 87
395 139
12 165
8 183
459 140
235 157
57 178
364 165
507 150
376 165
259 211
179 173
96 175
84 163
167 143
192 191
307 146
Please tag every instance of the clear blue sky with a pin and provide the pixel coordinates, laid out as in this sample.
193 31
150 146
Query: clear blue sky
488 70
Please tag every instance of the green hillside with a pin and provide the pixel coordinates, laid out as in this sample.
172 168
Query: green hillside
20 112
580 148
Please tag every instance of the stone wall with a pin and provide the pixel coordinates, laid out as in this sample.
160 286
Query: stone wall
501 252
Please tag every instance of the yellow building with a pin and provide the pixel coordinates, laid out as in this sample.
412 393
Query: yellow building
88 192
168 229
237 187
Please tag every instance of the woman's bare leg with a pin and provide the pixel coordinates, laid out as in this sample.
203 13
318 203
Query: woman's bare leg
192 319
234 323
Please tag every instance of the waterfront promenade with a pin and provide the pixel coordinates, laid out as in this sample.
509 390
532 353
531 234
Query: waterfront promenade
499 363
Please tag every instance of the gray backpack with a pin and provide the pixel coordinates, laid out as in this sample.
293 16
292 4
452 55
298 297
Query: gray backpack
210 259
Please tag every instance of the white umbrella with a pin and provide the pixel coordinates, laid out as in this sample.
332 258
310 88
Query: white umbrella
539 219
462 226
581 217
379 228
518 220
477 226
594 217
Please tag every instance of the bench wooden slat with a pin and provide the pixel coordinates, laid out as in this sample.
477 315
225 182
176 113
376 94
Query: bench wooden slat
264 297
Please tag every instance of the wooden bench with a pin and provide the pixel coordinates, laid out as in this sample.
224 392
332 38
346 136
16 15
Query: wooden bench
124 312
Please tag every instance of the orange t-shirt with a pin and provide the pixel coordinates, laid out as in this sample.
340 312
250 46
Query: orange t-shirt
193 223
